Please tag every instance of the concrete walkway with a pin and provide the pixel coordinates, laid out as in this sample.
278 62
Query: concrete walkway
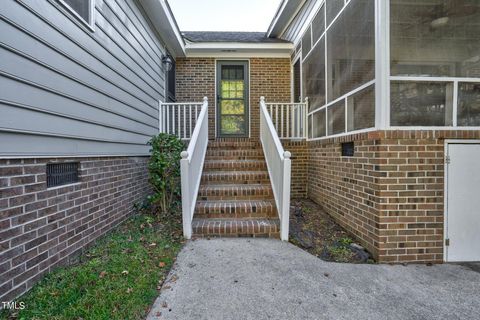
268 279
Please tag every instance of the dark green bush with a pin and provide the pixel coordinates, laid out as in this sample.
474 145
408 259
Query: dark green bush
164 171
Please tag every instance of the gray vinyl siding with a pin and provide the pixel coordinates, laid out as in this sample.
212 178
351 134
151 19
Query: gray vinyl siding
293 30
68 91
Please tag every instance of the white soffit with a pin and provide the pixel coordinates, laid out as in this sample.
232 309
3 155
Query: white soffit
237 49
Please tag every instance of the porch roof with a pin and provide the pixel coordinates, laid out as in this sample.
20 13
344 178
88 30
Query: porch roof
226 36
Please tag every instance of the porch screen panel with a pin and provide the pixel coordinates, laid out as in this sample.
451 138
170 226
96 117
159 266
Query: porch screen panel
438 38
361 109
307 42
336 118
351 49
318 24
469 104
333 8
319 125
421 103
314 76
341 90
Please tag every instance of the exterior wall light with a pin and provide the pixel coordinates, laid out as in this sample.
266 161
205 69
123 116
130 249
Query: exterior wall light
167 62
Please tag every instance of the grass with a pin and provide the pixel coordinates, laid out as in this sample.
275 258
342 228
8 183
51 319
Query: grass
118 278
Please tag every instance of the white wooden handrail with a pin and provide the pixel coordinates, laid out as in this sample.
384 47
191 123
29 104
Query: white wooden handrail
279 167
289 119
179 118
191 167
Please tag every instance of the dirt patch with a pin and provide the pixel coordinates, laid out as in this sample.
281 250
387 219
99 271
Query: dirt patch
316 232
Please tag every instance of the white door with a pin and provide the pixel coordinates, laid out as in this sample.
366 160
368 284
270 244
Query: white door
463 202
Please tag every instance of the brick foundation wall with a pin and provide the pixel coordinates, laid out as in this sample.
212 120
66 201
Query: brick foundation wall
41 228
390 195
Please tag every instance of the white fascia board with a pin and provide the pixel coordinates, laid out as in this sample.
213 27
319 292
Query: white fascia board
238 46
239 50
164 22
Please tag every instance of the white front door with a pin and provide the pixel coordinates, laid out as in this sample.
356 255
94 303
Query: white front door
463 202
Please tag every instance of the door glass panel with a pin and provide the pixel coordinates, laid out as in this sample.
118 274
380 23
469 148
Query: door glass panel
234 125
232 107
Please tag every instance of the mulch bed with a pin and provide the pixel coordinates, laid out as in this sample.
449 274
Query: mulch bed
316 232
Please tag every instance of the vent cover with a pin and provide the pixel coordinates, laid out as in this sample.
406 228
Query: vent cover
59 174
348 149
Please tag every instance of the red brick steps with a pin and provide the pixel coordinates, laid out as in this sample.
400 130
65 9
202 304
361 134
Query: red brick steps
235 165
236 209
235 192
235 198
235 177
257 228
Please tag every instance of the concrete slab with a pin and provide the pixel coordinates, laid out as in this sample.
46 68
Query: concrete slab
269 279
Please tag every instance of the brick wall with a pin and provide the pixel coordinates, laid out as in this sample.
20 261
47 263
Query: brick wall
42 228
195 79
299 159
390 195
269 77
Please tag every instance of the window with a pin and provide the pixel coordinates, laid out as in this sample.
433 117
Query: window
82 9
59 174
170 83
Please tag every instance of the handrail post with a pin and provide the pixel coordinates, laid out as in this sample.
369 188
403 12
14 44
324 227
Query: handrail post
287 165
160 129
186 209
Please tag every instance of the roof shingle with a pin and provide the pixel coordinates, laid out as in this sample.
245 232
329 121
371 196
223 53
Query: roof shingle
227 36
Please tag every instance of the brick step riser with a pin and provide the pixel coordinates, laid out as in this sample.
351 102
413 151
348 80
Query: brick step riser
236 148
235 197
235 153
210 157
230 180
235 229
237 235
222 166
235 212
240 215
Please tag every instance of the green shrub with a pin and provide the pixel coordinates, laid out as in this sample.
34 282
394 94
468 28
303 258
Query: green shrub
164 171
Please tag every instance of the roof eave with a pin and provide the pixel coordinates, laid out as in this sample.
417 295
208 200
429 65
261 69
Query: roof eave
285 13
238 49
162 18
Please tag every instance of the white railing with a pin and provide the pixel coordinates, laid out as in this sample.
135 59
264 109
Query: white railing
191 167
179 119
279 167
289 119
